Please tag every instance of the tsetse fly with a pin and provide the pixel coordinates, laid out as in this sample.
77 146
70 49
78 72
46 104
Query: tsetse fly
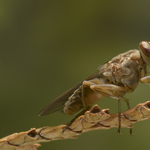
114 79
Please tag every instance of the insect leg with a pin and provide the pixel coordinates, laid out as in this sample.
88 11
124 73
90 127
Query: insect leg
112 91
115 92
81 113
145 80
87 96
127 101
119 116
109 90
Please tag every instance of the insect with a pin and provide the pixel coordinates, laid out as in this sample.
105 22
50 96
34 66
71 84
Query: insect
114 79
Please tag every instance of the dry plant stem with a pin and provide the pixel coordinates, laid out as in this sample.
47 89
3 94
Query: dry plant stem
91 120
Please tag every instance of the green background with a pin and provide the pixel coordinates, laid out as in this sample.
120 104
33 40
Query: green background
48 46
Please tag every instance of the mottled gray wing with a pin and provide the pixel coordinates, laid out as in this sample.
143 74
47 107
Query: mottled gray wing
59 102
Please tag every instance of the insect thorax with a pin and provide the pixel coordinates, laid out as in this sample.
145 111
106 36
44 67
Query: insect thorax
125 69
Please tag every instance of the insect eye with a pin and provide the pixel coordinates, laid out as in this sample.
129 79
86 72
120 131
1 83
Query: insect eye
145 48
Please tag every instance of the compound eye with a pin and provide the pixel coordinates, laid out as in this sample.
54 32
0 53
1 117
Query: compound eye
145 48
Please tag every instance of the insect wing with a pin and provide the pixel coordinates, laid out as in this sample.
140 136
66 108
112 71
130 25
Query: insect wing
59 102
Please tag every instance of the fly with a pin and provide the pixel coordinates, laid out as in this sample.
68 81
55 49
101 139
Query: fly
114 79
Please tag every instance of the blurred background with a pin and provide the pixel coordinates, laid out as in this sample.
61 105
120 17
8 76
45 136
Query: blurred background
46 47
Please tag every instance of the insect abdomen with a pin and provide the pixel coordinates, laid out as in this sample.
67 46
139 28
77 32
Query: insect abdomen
74 103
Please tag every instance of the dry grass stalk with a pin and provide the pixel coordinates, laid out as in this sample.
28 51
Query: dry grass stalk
91 120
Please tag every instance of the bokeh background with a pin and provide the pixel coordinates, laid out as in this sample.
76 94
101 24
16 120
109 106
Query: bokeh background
48 46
